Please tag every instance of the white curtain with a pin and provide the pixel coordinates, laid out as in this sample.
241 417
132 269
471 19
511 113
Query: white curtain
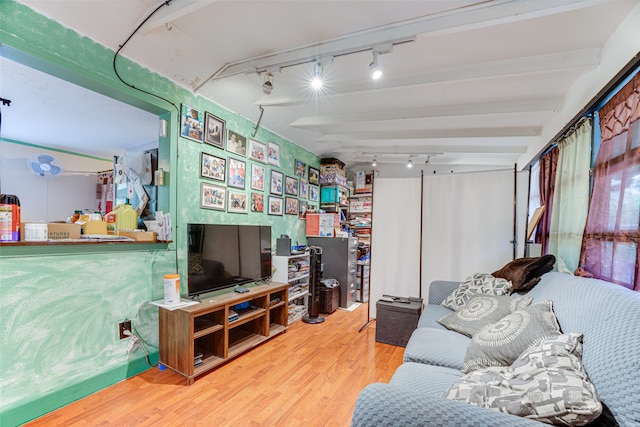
467 225
571 197
395 239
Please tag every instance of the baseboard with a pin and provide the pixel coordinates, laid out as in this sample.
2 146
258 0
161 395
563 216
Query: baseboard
41 405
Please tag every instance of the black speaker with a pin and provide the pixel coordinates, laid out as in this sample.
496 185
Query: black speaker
283 245
315 271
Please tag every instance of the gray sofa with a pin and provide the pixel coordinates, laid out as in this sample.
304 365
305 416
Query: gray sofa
607 315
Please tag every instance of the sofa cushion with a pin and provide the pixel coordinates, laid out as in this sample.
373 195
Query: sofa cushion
482 310
439 347
501 343
421 378
430 315
547 382
479 283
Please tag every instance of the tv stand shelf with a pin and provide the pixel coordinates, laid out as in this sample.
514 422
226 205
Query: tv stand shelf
197 338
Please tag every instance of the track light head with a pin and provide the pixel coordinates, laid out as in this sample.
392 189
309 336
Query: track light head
316 81
374 68
374 163
267 86
410 163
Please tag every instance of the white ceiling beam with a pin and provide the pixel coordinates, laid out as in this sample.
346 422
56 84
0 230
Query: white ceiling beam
485 108
173 11
433 133
434 149
480 15
583 59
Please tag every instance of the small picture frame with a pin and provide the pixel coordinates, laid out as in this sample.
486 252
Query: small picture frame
275 206
314 193
276 183
212 167
304 189
302 209
238 202
300 169
191 123
214 130
257 151
273 154
257 202
212 196
291 186
257 177
314 176
236 173
236 144
291 206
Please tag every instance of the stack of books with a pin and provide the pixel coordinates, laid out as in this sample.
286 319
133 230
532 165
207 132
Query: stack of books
197 360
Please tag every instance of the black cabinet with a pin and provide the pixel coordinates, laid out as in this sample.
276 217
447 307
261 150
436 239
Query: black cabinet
339 259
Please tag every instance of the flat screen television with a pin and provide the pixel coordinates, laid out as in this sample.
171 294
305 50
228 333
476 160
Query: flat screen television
223 256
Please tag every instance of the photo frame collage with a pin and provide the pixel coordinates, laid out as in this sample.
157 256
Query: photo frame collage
240 177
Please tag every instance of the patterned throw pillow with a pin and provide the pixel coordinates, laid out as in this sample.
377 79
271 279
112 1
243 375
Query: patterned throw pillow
482 310
479 283
546 383
500 343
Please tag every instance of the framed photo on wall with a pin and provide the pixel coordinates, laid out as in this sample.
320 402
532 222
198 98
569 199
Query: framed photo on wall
257 177
275 206
276 183
236 175
291 206
212 196
300 169
238 202
237 144
212 167
314 193
214 130
191 123
304 189
257 151
273 154
302 210
291 186
314 176
257 202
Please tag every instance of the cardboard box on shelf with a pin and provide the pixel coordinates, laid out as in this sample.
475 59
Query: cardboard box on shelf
63 231
139 236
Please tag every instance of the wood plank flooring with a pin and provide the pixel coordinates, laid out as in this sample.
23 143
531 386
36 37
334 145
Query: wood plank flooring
311 375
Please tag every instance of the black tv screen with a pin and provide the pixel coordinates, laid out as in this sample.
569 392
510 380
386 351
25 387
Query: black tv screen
223 256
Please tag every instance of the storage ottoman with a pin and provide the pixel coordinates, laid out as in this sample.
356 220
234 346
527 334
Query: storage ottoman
396 321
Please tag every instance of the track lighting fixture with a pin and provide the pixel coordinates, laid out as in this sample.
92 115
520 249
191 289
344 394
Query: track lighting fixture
410 163
316 81
267 86
374 68
374 163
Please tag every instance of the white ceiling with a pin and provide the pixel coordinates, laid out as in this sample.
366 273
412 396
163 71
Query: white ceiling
480 84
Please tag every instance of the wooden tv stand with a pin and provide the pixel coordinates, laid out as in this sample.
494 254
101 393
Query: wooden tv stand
205 329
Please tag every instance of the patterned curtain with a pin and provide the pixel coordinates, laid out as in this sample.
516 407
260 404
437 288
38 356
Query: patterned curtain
547 182
612 234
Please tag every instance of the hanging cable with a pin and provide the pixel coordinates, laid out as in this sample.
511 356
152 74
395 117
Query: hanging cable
115 57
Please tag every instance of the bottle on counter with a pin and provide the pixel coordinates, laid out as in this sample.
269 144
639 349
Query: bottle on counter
9 218
121 217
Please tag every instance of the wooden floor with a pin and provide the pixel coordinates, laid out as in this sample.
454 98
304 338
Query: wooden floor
309 376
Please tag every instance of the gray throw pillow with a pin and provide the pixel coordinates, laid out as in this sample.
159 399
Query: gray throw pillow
479 283
482 310
500 343
547 383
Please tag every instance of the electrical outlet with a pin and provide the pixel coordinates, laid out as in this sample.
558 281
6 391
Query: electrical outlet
124 326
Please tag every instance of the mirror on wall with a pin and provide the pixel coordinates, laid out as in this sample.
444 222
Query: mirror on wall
69 127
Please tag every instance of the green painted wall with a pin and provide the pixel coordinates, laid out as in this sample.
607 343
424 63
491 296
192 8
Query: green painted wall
60 307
